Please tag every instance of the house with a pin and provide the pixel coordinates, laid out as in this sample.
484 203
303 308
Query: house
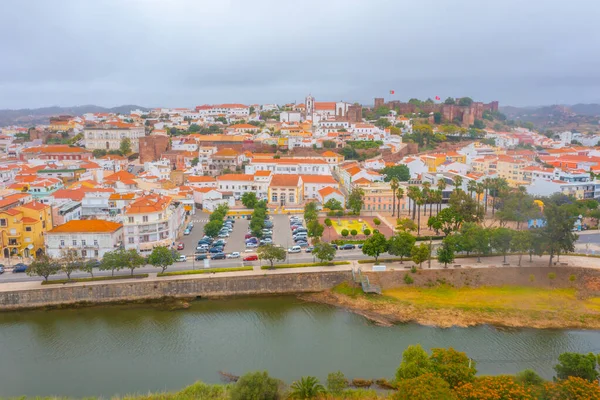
90 239
42 189
206 193
379 196
95 203
224 159
314 183
201 181
243 128
239 184
121 181
415 165
109 135
151 221
285 190
293 166
55 152
22 229
328 193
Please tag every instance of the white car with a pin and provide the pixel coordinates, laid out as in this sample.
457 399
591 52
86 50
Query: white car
267 232
295 249
223 235
235 254
251 245
182 258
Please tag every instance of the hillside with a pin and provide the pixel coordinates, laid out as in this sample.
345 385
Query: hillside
580 117
33 116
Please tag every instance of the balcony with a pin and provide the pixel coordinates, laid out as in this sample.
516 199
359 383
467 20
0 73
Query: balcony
13 234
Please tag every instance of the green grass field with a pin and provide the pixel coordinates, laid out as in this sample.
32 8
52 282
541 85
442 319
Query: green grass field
350 224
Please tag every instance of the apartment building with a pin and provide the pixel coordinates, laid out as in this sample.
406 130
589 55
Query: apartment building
292 166
108 136
91 239
224 159
22 229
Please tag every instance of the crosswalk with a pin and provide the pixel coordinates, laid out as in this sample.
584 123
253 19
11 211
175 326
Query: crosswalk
199 220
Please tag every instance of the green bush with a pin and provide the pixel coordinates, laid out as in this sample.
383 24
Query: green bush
94 279
354 232
351 241
408 279
345 232
205 271
317 264
426 238
381 260
413 269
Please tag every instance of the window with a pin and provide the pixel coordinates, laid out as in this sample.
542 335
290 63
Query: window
291 197
130 220
83 242
3 222
62 242
27 229
74 242
131 240
96 253
145 218
274 197
83 253
95 242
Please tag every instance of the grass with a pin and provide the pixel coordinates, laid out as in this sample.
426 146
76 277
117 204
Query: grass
348 290
496 298
317 264
349 224
205 271
94 279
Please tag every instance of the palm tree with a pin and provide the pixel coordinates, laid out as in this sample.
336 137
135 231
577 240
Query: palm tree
394 185
479 190
487 182
420 202
458 180
308 387
441 185
437 199
413 193
471 187
499 185
426 194
399 196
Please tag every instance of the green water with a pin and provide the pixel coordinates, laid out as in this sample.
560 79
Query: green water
118 350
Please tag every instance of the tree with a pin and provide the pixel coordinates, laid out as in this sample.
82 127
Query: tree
336 382
353 232
517 206
502 387
399 197
572 388
310 211
414 193
97 153
249 199
271 253
577 365
400 172
256 386
458 181
194 128
478 124
420 254
529 377
465 206
324 251
447 220
557 235
70 261
315 229
406 225
520 243
449 100
212 228
333 204
195 161
401 245
452 366
424 387
111 262
446 252
161 257
43 266
415 362
89 266
375 245
367 232
308 387
465 101
131 259
355 200
382 123
125 146
501 240
377 222
345 232
394 186
481 238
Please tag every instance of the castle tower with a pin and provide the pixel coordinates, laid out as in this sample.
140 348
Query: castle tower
309 103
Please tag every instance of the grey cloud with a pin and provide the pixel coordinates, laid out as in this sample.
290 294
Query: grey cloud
188 52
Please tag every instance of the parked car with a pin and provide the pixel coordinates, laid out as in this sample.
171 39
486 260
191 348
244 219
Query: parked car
235 254
295 249
347 246
220 242
251 257
187 231
252 240
300 238
208 238
181 258
20 267
230 219
309 249
200 257
201 250
335 246
302 244
215 250
1 269
360 246
252 245
266 241
190 226
268 224
267 232
180 246
218 256
248 235
224 235
300 230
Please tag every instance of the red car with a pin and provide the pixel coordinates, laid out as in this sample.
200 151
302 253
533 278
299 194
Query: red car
248 236
180 246
251 257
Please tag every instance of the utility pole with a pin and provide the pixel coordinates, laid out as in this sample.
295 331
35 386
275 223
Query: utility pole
430 253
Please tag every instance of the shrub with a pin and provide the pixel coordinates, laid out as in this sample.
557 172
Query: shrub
377 221
336 382
94 279
529 377
385 384
408 279
354 232
531 278
413 269
572 278
204 271
256 386
317 264
425 387
367 232
551 276
345 232
362 383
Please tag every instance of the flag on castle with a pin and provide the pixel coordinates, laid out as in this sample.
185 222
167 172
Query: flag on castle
392 92
437 98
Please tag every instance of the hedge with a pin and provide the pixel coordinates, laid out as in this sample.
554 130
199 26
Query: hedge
94 279
317 264
382 260
204 271
340 242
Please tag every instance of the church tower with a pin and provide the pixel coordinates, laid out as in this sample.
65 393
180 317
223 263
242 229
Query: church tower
309 104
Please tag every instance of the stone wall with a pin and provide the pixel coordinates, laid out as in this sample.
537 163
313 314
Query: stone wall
587 280
213 286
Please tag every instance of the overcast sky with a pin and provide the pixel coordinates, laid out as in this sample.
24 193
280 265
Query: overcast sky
180 53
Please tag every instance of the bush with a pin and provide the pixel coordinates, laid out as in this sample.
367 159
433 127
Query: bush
367 232
204 271
362 383
385 384
336 382
381 260
96 278
345 232
256 386
377 221
317 264
354 232
408 279
413 269
529 377
351 241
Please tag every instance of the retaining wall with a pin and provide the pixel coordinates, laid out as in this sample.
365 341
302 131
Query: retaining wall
213 286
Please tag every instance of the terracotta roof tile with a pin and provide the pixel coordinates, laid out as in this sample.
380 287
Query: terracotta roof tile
87 226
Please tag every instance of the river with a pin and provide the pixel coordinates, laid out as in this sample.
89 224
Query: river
135 349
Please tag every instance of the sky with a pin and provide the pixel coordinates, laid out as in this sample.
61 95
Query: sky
182 53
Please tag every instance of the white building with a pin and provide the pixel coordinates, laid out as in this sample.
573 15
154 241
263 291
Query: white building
215 110
296 166
152 221
314 183
238 184
290 116
91 239
108 136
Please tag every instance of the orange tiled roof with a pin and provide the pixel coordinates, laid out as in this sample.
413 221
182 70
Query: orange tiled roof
326 191
73 194
330 153
56 148
235 177
87 226
228 152
262 173
196 179
35 205
353 170
324 105
285 180
362 181
243 126
122 196
148 204
120 176
318 179
10 199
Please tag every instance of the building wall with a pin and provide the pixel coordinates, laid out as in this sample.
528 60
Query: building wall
151 147
97 138
87 245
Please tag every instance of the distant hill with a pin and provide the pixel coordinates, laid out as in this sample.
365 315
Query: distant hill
580 117
33 116
586 109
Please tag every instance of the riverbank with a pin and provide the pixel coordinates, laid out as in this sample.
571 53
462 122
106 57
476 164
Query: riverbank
445 306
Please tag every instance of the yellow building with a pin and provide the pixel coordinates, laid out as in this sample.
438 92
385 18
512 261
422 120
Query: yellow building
434 160
22 229
512 169
61 124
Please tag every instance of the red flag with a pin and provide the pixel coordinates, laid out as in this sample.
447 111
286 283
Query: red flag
391 92
437 97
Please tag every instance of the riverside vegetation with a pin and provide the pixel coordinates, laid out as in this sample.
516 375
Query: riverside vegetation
443 374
